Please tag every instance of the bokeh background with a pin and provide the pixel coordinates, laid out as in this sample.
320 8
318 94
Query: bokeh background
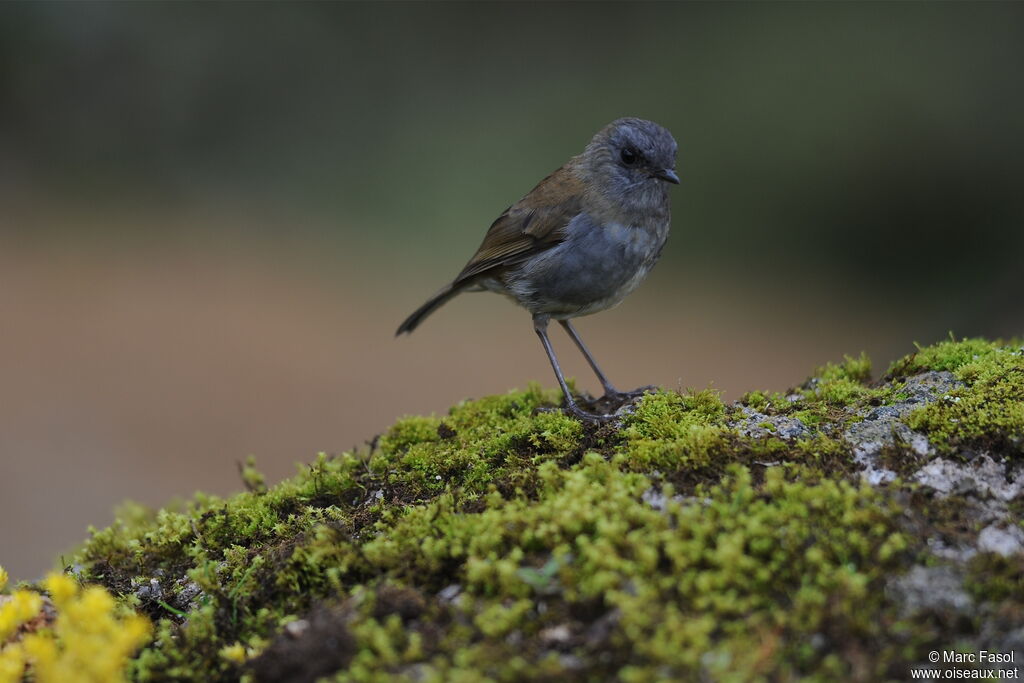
213 216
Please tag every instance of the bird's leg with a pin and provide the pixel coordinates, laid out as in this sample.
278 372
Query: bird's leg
609 389
540 326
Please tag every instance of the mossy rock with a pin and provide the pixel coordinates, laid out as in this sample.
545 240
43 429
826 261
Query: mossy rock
839 531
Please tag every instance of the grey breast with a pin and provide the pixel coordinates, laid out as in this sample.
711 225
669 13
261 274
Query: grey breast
591 270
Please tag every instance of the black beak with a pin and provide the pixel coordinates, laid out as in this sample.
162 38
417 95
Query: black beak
668 175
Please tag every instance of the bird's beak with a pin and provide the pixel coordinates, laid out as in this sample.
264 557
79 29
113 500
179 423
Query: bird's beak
668 175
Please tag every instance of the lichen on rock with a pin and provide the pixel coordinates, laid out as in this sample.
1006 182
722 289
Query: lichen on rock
837 531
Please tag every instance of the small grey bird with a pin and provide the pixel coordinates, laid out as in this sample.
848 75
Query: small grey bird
580 241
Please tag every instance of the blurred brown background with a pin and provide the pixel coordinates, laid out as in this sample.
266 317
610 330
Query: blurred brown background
213 216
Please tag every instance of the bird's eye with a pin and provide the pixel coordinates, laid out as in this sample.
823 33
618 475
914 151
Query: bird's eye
629 156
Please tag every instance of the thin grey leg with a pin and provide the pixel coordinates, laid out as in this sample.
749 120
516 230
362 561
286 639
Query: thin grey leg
540 326
609 389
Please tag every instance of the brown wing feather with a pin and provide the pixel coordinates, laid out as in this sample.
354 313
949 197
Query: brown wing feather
534 223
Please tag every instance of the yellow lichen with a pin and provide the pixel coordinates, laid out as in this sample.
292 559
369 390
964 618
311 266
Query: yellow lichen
16 610
90 641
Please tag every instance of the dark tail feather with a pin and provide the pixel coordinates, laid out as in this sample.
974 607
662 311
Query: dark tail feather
433 303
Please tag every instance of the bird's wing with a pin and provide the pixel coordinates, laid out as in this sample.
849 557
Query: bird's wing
533 224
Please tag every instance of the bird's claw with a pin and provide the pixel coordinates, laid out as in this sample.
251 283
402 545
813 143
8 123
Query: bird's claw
584 416
622 409
623 396
580 414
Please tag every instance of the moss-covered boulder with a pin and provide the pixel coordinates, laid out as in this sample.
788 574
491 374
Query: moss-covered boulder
842 530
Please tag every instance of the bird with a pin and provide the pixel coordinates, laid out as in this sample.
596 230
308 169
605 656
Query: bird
579 242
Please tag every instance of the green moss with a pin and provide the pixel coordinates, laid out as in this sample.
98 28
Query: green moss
769 402
252 477
704 575
987 412
669 430
483 441
947 355
853 369
410 431
998 578
508 541
841 384
758 400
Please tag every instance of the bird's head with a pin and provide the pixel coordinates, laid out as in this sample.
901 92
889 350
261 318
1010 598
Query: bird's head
630 162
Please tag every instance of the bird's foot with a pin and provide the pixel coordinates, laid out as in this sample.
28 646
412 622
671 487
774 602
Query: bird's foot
584 416
571 408
613 405
615 401
579 413
613 395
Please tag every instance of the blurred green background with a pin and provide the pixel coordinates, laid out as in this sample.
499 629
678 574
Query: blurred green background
213 216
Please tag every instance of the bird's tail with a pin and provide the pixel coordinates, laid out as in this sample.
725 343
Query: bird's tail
432 304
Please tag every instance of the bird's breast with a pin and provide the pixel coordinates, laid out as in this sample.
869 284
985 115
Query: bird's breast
594 268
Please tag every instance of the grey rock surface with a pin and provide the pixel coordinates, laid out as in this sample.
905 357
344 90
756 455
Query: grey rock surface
931 588
883 426
982 477
758 426
1003 541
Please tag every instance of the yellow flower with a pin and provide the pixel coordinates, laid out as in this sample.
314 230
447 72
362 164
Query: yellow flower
90 642
61 588
12 664
16 610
